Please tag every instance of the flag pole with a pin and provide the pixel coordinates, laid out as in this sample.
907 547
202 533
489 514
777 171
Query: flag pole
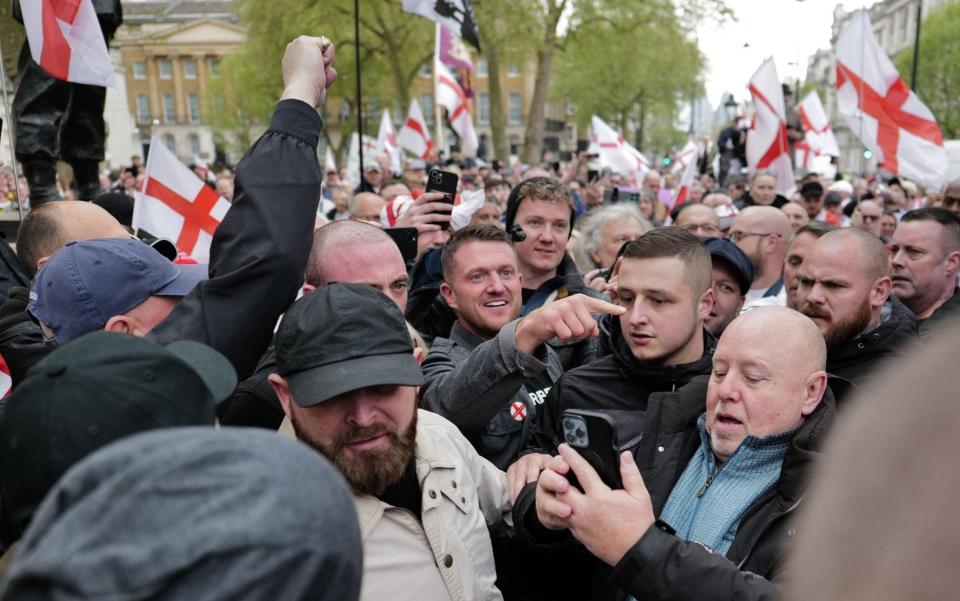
10 129
356 38
916 48
437 114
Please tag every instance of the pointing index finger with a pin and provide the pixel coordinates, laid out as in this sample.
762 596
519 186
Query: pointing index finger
597 305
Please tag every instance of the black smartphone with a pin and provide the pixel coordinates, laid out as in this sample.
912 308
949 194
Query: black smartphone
446 182
406 240
592 175
593 435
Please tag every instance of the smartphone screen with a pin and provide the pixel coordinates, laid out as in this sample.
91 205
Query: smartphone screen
446 182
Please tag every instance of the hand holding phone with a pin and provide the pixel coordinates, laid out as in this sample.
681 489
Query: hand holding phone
593 435
446 182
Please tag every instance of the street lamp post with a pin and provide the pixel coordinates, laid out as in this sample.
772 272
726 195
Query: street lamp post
916 48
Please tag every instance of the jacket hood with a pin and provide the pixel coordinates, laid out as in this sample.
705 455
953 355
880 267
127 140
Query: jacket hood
899 330
193 513
795 475
680 374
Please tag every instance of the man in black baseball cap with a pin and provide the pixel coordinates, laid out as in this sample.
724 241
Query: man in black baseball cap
94 391
732 279
347 379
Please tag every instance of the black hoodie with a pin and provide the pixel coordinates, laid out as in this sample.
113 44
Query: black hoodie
617 384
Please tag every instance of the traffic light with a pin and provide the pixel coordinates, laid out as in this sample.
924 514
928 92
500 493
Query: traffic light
666 160
867 155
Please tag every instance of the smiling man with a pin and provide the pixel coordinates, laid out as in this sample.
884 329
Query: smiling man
724 530
493 371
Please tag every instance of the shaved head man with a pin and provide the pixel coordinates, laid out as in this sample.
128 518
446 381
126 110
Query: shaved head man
796 214
700 220
48 227
866 216
844 287
951 197
762 233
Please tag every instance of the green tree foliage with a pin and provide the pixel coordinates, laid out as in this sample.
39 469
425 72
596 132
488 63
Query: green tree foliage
938 77
631 63
393 47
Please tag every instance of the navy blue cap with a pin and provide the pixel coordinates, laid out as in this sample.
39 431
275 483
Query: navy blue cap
87 282
734 257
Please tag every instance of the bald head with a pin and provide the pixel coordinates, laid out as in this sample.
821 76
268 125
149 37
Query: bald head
699 219
783 335
48 227
366 206
862 251
766 219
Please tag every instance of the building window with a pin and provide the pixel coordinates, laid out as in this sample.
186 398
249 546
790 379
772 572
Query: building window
215 67
139 70
166 69
483 108
193 105
482 67
195 145
170 142
426 103
189 68
516 109
143 108
426 70
169 109
513 69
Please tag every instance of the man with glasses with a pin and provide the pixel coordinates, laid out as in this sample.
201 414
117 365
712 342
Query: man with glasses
700 220
866 217
762 233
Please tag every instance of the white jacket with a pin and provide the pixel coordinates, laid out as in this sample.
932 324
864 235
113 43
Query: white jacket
449 556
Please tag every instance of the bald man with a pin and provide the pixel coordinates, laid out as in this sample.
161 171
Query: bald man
866 216
346 251
763 233
45 230
796 215
844 287
699 219
365 206
721 533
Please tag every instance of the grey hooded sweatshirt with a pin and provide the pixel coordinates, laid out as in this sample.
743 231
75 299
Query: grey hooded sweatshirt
193 513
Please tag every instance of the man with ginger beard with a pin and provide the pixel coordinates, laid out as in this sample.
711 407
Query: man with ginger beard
844 287
427 502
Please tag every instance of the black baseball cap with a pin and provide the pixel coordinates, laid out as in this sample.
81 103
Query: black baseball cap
736 259
93 391
811 189
343 337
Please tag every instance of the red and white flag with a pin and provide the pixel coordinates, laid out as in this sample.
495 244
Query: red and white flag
387 143
414 136
689 174
767 146
176 204
451 96
329 165
881 110
687 154
818 138
66 41
6 381
614 151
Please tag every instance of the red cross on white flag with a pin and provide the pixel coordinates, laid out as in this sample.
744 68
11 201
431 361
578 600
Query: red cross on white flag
818 137
689 173
387 143
615 152
881 110
6 382
414 136
176 204
767 145
66 41
451 96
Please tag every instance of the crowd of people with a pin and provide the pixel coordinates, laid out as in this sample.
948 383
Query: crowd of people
149 446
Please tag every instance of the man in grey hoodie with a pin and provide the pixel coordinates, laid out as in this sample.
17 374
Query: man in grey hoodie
194 513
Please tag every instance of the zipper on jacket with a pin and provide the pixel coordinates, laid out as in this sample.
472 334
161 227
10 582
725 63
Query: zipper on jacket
706 485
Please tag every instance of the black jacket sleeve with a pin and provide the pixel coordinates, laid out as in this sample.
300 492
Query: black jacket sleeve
259 252
662 566
546 434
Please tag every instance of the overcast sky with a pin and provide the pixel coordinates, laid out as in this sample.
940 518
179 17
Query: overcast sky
789 30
